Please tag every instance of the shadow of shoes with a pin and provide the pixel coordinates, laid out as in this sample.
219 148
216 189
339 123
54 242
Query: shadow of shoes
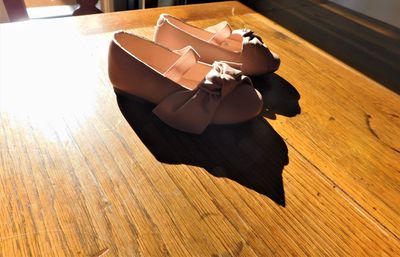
252 153
280 97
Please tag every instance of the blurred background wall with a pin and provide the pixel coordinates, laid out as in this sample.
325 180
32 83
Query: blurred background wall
384 10
3 12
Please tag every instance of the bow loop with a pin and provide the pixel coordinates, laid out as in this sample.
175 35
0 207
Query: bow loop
249 37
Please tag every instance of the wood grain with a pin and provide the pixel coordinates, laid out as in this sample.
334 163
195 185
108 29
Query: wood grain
86 173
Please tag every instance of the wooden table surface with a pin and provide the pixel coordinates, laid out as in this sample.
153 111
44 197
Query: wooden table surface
83 173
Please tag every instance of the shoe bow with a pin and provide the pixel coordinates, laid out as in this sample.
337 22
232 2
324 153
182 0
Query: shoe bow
193 110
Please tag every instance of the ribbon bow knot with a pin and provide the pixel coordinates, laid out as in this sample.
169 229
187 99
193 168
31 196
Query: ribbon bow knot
222 79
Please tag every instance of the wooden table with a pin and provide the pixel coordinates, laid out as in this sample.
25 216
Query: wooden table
83 173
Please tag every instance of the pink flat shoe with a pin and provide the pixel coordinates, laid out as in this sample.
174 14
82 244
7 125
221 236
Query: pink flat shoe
241 49
189 95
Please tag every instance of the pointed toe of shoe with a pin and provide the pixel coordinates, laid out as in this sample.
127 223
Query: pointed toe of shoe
258 60
275 61
243 104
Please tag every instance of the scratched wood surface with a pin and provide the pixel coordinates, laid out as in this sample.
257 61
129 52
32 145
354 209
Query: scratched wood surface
86 173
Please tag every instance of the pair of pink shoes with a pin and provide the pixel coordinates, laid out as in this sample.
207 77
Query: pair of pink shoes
194 76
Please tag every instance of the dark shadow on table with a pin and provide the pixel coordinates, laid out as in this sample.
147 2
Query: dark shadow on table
252 153
366 44
280 97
